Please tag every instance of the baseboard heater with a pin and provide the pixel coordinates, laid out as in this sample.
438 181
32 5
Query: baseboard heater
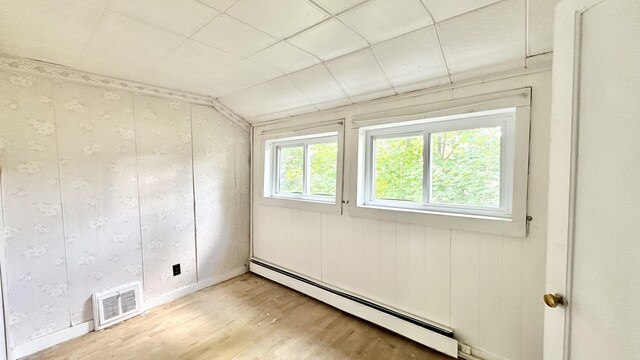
428 334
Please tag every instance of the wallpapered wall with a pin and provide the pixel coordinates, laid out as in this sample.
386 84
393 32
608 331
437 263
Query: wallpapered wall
98 190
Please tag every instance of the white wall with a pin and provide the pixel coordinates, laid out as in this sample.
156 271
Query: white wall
99 189
486 287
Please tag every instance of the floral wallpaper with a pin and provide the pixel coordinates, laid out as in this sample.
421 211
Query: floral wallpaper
98 190
96 156
37 288
163 133
221 169
243 196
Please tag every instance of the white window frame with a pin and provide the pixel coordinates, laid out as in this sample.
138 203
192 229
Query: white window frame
503 118
304 142
309 134
514 225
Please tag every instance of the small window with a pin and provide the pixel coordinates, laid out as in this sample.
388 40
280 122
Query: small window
458 164
304 168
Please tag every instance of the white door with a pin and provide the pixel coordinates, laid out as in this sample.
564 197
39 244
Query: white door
593 256
3 337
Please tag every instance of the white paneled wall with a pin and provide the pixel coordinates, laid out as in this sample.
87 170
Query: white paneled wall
486 287
98 190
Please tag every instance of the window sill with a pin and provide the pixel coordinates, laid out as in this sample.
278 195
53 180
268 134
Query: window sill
455 221
331 207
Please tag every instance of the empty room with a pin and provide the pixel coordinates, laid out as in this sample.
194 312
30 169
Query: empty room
319 179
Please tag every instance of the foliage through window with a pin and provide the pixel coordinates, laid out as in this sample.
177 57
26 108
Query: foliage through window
304 168
461 164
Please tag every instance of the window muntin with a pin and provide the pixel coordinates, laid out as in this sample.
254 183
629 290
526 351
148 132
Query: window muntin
304 168
467 165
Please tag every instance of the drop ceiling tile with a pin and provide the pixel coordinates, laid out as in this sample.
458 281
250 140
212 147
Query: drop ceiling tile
493 36
122 47
541 14
182 17
412 57
190 61
383 19
285 57
279 18
445 9
317 84
329 40
220 5
359 73
272 97
54 31
241 75
336 6
231 35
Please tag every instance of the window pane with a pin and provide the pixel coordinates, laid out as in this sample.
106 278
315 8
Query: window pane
465 167
398 168
291 169
323 168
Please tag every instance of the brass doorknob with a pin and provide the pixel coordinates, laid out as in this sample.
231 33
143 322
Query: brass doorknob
553 300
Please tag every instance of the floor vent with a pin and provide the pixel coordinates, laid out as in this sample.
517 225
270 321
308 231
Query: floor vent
117 304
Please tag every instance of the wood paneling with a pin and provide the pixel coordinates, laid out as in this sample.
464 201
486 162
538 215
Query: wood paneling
486 287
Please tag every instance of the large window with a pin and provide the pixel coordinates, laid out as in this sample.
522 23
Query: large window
458 164
303 168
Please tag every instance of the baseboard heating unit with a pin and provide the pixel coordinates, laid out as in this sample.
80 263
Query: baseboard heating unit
436 337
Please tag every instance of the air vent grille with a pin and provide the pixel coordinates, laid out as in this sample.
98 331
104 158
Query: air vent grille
128 301
114 305
110 307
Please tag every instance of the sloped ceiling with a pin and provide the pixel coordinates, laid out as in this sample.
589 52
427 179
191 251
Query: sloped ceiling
267 59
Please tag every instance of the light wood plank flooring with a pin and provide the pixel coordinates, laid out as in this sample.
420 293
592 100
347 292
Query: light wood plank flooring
247 317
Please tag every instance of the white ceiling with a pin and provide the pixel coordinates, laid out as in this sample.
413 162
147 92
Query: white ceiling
266 59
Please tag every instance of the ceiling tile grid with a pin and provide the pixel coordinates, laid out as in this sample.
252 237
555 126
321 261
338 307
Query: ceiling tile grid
379 20
240 75
318 85
59 37
117 37
329 40
321 53
279 95
182 17
285 58
280 18
443 9
494 35
359 73
412 57
336 6
233 36
220 5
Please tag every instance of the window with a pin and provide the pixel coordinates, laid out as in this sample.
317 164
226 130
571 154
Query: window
459 164
303 168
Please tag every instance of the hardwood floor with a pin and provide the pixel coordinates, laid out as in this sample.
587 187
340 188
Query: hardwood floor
247 317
